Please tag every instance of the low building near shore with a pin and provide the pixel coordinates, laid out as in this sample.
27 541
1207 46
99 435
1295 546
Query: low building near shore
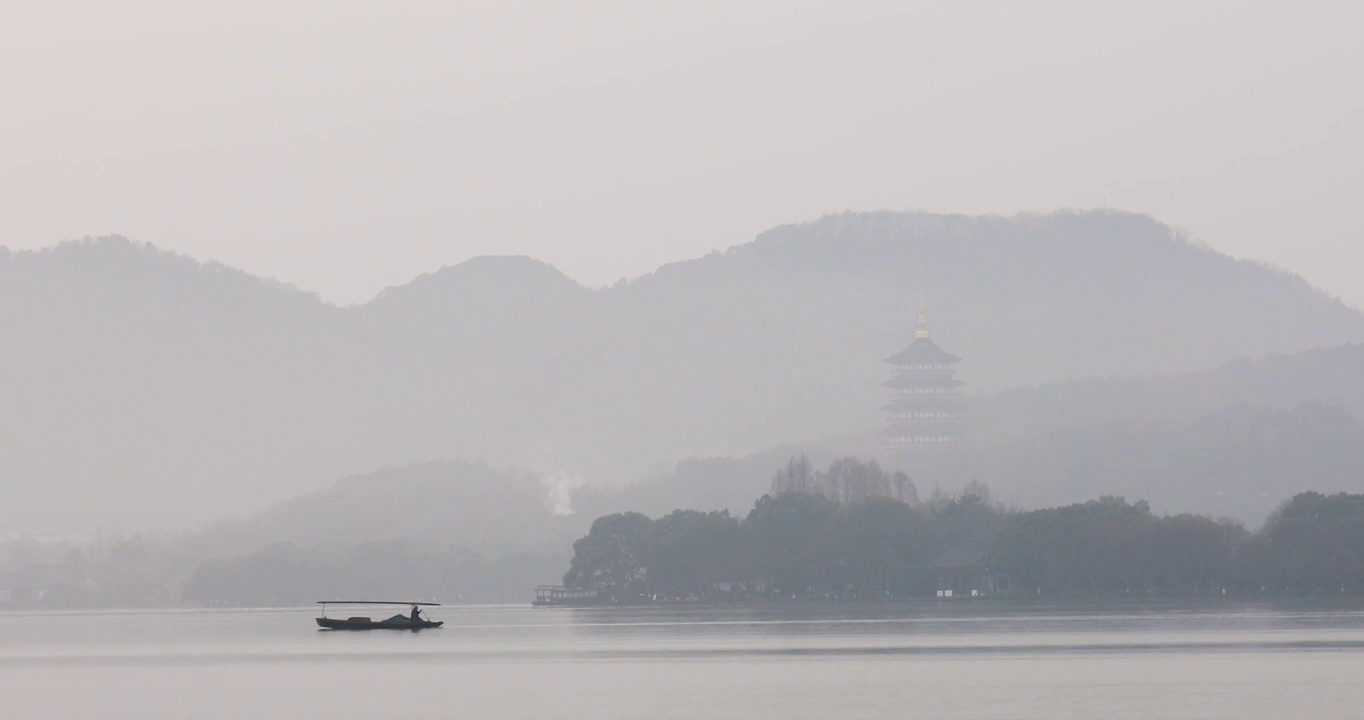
964 571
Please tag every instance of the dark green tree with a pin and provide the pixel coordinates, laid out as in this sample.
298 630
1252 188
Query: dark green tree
690 551
784 533
1315 543
612 555
1102 545
871 549
1196 553
904 489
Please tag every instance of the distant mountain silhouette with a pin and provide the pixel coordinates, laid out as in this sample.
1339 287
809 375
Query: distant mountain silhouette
485 304
1235 440
454 503
148 389
1329 376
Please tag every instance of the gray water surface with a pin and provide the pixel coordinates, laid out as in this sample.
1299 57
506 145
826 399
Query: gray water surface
957 660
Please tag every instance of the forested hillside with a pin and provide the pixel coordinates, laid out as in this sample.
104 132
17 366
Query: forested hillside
147 389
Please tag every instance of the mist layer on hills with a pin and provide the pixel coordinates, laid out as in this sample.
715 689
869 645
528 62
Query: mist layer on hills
148 389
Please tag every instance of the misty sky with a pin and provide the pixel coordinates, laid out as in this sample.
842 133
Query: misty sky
345 146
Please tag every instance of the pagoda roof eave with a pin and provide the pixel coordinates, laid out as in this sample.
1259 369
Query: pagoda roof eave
900 406
922 350
899 431
928 382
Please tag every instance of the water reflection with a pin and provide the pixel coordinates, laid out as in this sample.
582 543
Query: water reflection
805 660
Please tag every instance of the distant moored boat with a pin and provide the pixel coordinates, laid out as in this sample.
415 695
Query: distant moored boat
548 595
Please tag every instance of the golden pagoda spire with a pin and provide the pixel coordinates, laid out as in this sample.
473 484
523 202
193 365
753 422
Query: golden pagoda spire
923 317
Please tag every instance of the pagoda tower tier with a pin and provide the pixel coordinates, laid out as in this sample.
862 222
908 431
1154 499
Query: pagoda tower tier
925 406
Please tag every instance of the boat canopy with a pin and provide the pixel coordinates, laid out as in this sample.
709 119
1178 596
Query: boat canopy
373 602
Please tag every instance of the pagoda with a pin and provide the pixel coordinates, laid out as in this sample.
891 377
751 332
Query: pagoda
924 406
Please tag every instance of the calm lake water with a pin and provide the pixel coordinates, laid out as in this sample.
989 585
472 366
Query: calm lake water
953 660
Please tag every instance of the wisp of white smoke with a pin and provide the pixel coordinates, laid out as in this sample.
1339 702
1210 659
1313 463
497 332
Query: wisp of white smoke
559 487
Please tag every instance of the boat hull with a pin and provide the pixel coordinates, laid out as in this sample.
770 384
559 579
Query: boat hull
367 624
584 602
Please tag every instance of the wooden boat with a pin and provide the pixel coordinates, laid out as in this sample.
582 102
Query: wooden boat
558 595
400 621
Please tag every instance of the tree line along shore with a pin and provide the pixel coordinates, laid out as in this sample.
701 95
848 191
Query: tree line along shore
849 532
854 533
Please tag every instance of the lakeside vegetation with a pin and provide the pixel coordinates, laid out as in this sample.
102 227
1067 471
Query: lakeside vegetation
148 571
796 544
851 531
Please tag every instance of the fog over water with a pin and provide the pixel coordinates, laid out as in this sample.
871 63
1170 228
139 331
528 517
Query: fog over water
1122 662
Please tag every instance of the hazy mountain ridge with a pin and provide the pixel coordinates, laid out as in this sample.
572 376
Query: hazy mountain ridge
460 504
483 301
142 271
1237 461
139 373
1331 376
